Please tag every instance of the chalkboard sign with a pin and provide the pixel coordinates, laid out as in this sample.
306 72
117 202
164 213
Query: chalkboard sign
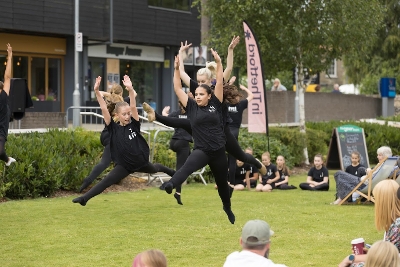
345 140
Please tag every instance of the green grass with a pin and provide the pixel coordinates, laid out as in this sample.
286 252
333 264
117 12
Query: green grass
114 227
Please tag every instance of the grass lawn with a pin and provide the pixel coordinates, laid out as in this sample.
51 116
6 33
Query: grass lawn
114 227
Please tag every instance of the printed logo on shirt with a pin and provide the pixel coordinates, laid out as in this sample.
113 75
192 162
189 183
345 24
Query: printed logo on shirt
269 173
182 116
321 175
212 109
242 171
232 109
132 134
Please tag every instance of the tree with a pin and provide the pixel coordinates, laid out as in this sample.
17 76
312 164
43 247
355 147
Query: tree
295 33
383 57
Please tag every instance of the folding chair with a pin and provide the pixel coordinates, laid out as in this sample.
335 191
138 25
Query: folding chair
381 172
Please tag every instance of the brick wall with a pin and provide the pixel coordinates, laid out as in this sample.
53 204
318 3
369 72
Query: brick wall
321 107
34 120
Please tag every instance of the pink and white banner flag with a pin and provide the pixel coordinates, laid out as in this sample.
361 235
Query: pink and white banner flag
257 109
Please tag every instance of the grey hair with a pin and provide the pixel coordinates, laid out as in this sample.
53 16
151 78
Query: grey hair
384 150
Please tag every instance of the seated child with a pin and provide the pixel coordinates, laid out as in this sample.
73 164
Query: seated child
267 182
355 165
318 176
241 176
284 174
253 170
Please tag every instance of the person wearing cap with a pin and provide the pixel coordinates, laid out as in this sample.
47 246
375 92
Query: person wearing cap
255 241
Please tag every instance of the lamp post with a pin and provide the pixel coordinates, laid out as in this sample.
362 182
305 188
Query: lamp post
78 48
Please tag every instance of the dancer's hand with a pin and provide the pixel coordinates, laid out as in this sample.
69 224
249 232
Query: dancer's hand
97 84
216 56
9 50
184 46
232 80
127 82
234 42
165 110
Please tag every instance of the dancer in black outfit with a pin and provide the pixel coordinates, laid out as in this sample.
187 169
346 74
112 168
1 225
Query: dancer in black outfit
204 76
5 112
206 118
129 150
180 144
111 98
235 109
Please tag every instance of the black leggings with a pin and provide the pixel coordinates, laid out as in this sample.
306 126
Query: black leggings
218 165
182 150
232 146
119 173
101 166
3 155
232 159
321 187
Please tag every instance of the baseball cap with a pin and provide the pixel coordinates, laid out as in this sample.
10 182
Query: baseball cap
256 232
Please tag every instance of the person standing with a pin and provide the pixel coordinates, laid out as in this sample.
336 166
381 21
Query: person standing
5 112
256 243
205 114
129 149
336 89
180 144
277 86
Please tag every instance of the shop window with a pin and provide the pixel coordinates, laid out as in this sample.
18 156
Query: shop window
38 78
20 67
145 80
183 5
54 81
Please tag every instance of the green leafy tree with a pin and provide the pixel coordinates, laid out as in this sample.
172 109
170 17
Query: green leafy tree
295 33
382 59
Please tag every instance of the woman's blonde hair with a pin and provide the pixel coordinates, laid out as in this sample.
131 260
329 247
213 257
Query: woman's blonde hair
114 97
383 254
387 205
150 258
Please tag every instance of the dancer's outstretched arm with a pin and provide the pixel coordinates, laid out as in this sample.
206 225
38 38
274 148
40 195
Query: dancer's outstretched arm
229 59
182 96
250 95
184 76
132 96
102 103
7 73
218 91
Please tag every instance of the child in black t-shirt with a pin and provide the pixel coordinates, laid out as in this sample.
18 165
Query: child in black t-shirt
318 176
254 172
355 164
129 150
242 176
284 174
267 182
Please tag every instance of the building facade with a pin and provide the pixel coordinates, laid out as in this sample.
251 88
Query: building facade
137 37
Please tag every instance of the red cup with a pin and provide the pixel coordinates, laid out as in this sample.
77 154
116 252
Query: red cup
357 245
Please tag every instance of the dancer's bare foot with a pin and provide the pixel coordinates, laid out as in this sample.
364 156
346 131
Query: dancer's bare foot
151 115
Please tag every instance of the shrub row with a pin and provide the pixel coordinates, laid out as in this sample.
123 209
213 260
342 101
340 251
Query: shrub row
55 160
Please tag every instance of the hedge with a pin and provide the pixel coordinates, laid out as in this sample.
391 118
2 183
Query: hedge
47 162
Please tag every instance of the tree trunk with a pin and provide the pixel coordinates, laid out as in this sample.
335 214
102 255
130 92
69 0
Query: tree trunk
302 115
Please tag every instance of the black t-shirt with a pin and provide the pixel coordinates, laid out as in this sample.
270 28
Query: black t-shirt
318 175
240 173
207 131
105 136
282 175
236 113
353 169
180 134
4 114
128 147
225 114
271 170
